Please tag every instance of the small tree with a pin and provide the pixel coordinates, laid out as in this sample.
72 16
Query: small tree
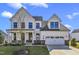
73 42
1 38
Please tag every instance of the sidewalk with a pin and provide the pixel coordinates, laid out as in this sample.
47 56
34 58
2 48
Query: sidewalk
74 49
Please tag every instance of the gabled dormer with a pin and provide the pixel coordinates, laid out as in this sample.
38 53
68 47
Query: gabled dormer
22 19
54 22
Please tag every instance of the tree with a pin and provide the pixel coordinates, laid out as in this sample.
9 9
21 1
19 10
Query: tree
1 38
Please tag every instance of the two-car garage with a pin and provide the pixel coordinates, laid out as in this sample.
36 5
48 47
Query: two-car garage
54 41
54 37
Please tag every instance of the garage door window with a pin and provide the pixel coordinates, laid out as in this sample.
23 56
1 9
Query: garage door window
57 37
51 37
61 37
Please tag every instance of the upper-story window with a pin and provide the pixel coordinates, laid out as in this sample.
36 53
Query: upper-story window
15 24
37 25
30 24
54 25
23 25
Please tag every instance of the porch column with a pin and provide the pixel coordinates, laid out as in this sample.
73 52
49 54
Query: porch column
12 37
34 37
26 36
18 36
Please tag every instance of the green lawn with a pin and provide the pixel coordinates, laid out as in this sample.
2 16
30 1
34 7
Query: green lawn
8 50
36 50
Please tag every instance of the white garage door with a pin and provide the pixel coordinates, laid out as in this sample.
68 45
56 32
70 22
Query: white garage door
59 41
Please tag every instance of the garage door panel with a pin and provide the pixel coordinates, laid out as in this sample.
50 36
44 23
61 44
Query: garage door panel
55 41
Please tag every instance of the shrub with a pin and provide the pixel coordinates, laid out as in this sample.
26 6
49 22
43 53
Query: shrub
73 42
1 38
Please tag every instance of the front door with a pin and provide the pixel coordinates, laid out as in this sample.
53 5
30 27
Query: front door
30 37
22 37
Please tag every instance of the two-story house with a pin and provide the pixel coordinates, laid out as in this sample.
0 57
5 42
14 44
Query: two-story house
33 29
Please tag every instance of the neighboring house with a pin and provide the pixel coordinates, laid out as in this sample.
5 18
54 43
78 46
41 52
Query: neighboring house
33 29
5 36
75 34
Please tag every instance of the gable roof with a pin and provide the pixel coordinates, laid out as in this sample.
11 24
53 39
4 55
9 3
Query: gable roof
54 17
75 31
23 10
38 18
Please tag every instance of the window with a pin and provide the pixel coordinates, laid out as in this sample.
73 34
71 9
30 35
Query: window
14 36
30 25
54 24
37 25
22 25
15 24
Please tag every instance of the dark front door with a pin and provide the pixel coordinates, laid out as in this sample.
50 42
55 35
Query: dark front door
30 37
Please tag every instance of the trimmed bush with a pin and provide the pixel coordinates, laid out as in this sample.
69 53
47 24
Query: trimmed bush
73 42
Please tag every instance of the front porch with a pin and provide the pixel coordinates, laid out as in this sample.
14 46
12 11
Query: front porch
25 36
21 35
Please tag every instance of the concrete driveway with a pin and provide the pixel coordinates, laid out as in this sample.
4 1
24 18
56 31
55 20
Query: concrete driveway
62 50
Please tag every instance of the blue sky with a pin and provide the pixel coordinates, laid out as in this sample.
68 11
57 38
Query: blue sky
68 13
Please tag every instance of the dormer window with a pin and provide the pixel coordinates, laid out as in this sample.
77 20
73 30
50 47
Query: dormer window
54 25
37 25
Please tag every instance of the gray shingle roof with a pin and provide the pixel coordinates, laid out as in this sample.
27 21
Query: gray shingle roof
75 31
38 18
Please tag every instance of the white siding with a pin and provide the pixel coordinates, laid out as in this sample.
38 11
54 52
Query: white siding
75 35
64 34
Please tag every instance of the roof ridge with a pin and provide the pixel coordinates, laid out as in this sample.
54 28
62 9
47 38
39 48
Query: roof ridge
20 10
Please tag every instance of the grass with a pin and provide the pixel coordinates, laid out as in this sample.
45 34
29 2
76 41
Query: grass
38 50
8 50
33 50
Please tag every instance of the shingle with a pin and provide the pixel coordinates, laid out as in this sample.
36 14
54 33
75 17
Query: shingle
38 18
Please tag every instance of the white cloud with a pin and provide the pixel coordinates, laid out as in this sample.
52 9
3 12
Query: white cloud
68 26
6 14
71 16
16 5
39 5
75 13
